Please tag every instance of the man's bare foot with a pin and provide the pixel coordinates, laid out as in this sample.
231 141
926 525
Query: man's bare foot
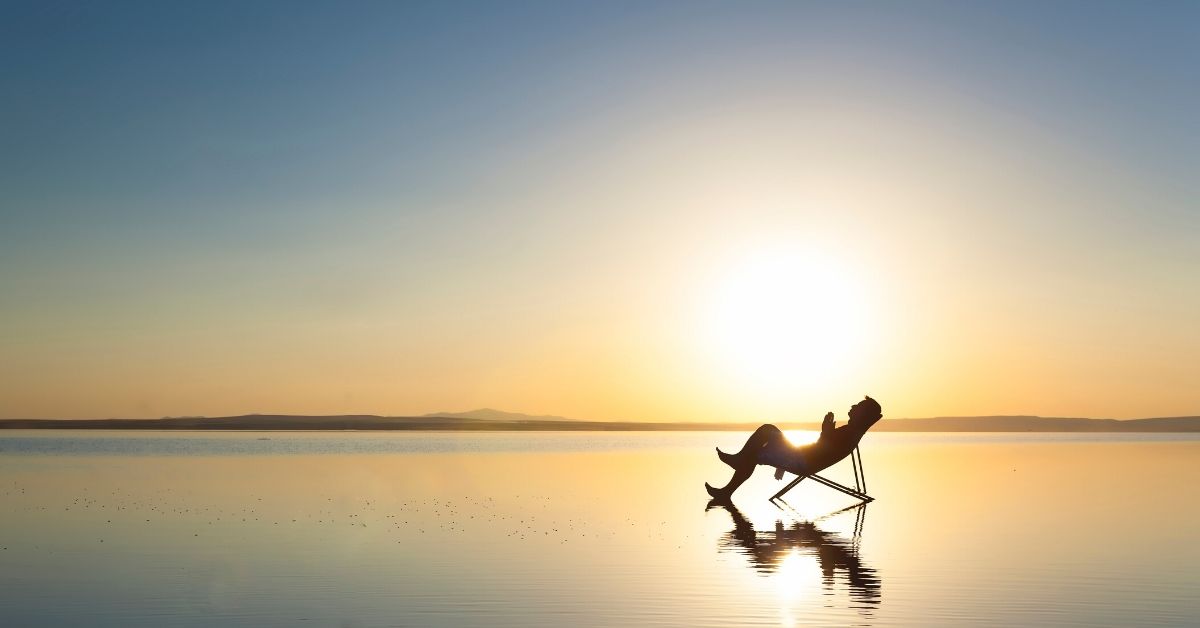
716 493
729 459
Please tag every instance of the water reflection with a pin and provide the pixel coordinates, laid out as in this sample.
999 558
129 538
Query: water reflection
774 553
443 536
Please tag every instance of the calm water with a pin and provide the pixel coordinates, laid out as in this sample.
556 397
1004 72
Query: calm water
434 529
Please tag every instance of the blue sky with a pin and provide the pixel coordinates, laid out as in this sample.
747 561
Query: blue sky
163 166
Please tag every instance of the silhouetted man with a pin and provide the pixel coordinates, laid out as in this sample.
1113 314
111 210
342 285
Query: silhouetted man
767 445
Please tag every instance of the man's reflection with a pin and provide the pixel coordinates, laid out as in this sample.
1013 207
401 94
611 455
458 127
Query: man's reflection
767 550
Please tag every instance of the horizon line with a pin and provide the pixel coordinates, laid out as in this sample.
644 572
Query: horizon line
545 418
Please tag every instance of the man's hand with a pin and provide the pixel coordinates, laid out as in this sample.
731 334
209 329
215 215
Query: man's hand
828 423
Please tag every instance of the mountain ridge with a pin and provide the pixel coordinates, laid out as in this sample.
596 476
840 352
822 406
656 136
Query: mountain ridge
491 414
442 422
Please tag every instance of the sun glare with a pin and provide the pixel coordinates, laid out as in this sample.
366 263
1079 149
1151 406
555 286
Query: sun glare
797 580
782 321
801 437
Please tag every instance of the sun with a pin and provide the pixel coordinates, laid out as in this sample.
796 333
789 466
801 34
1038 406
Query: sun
787 320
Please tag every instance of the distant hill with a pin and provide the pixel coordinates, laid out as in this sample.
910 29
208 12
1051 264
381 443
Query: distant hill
488 414
250 422
1039 424
494 420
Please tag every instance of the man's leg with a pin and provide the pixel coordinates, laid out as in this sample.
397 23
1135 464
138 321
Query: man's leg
740 475
749 453
744 461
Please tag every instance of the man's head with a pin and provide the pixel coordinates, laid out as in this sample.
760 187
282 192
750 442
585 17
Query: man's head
867 411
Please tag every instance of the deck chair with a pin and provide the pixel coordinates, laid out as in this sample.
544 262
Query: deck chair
860 481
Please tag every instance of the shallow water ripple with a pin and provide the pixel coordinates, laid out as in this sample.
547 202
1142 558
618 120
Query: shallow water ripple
589 530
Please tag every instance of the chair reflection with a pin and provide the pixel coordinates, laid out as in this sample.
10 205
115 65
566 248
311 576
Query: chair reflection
767 550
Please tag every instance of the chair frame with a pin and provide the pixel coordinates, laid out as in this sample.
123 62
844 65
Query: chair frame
860 481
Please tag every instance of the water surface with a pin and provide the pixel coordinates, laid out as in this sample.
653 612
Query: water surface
607 529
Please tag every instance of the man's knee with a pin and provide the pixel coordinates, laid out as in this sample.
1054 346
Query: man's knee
768 429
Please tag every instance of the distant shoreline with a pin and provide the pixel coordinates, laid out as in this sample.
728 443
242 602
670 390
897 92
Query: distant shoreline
453 424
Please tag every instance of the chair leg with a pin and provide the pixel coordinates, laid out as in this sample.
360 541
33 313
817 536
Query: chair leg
787 488
862 471
860 481
843 488
854 464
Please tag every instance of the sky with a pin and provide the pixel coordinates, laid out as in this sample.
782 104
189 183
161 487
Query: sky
631 211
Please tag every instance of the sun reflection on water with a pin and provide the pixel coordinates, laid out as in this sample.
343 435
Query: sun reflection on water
797 580
806 562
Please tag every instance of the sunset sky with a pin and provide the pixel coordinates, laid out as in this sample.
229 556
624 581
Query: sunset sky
643 211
